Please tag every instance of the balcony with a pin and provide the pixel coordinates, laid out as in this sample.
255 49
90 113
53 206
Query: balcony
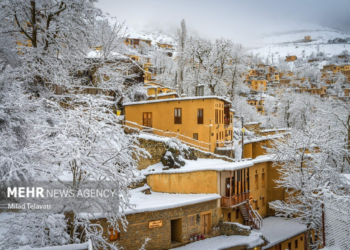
226 202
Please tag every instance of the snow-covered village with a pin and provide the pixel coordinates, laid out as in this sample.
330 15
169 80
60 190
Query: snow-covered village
153 125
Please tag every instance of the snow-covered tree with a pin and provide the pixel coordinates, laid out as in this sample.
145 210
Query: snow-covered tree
41 140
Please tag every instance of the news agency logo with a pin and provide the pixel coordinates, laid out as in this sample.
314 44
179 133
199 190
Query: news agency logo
40 192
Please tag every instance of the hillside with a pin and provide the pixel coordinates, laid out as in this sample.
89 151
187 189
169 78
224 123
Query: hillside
292 43
157 36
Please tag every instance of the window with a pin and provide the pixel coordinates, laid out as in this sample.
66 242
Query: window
301 238
290 245
256 182
229 217
263 201
178 116
113 234
216 116
192 221
195 136
296 244
237 213
263 180
200 116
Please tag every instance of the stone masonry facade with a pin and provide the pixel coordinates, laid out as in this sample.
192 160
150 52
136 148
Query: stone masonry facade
160 238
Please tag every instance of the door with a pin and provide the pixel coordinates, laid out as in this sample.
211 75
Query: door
176 230
206 224
147 119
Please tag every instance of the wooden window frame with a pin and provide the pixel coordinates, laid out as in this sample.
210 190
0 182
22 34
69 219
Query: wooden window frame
177 118
216 116
191 221
296 244
237 213
194 137
256 182
200 116
263 180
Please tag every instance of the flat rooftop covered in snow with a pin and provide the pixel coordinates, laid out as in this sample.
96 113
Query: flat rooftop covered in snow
177 100
279 229
205 165
161 201
224 242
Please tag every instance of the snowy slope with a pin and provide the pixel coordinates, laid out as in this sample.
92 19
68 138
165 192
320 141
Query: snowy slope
160 36
291 43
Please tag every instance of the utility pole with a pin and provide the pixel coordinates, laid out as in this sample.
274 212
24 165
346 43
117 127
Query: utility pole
210 125
242 118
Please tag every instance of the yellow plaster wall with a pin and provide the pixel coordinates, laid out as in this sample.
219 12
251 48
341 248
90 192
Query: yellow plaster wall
255 193
164 120
184 183
301 243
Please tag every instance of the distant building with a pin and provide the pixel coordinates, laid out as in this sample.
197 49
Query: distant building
291 58
307 38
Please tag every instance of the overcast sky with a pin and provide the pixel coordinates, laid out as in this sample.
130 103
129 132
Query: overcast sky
239 20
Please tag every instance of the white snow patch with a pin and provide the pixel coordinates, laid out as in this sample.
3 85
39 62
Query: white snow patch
278 229
198 165
223 242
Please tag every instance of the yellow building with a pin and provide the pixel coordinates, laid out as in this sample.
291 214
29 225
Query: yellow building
135 42
291 58
205 122
165 46
257 85
307 38
156 91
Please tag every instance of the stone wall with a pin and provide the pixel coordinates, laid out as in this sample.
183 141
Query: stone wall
160 238
231 228
254 127
157 150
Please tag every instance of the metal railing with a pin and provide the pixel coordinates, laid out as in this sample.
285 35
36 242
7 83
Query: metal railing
184 139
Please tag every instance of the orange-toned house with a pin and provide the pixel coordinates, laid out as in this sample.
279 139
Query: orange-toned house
135 42
204 121
257 85
291 58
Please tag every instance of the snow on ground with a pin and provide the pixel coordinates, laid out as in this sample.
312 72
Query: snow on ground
291 43
223 242
160 36
83 246
278 229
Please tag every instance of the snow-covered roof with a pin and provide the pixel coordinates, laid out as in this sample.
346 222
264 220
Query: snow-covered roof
178 99
164 94
225 242
279 229
275 129
264 138
205 165
160 201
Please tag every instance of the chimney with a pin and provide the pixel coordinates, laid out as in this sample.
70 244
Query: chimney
156 94
200 90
